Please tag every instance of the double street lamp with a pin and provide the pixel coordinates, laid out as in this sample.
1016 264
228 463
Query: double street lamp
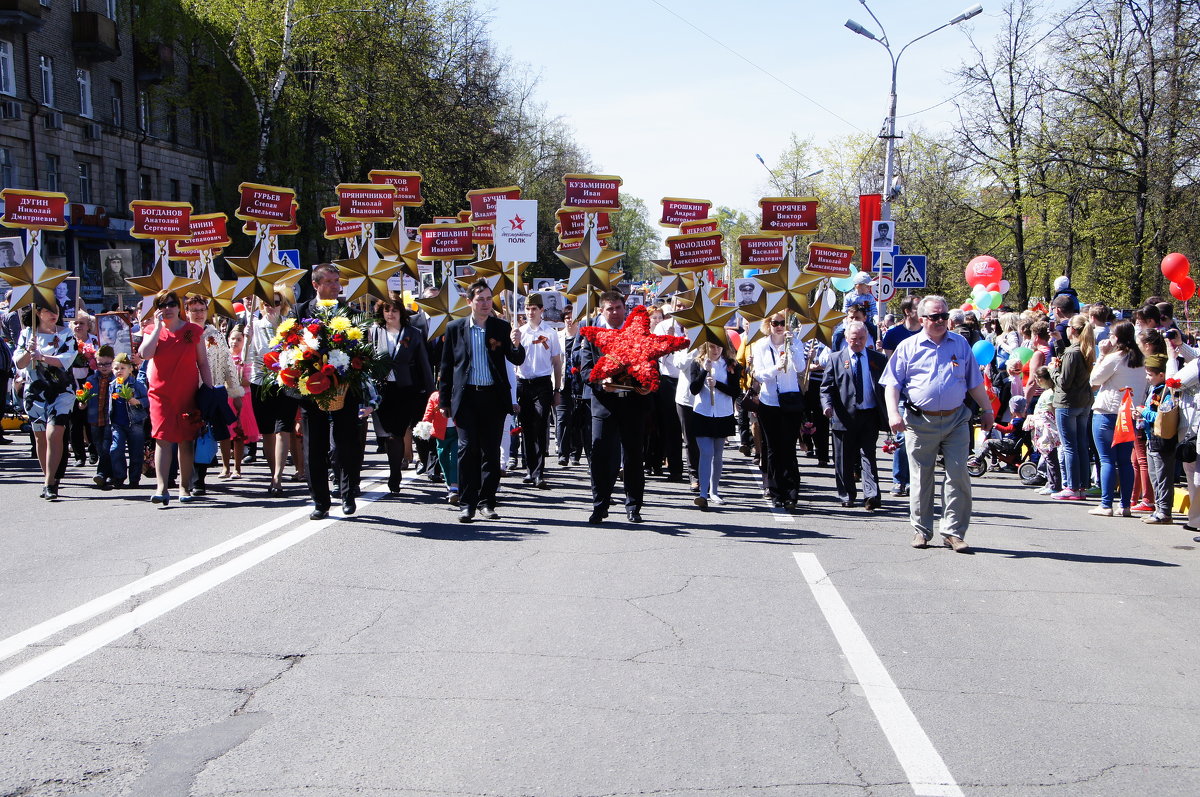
890 191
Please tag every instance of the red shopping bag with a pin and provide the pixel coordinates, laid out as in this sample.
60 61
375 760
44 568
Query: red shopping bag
1124 432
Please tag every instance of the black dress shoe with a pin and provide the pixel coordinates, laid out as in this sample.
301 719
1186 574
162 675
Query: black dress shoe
528 480
847 504
597 516
562 461
489 513
318 514
543 485
466 515
635 515
349 507
871 504
776 503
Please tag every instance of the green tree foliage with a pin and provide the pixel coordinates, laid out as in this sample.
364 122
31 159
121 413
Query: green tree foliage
637 236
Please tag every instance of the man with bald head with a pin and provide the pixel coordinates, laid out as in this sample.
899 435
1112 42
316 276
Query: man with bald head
852 399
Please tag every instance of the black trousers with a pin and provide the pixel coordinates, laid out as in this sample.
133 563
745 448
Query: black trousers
854 449
684 413
781 430
535 397
578 424
670 427
344 456
813 412
480 422
617 441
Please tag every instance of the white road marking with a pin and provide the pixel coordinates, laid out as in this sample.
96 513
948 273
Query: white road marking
55 659
922 764
782 515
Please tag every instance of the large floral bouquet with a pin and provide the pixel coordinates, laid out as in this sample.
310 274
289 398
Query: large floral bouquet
323 357
629 356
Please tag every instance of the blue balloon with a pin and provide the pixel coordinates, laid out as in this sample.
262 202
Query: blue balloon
984 351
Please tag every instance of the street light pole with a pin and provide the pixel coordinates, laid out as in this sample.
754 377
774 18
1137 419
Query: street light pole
891 191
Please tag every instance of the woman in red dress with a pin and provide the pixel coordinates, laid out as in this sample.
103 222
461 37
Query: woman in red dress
175 349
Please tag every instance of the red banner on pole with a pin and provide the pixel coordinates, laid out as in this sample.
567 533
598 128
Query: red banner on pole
870 210
407 185
336 228
447 241
366 202
208 232
34 210
761 250
483 201
696 252
789 215
676 211
290 228
592 192
161 221
829 260
269 204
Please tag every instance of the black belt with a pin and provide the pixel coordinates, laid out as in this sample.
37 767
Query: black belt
533 379
479 387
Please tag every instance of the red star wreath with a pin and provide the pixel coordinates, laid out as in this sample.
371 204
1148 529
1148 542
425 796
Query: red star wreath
630 354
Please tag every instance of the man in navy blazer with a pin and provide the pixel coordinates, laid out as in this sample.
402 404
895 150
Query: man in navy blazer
853 400
474 390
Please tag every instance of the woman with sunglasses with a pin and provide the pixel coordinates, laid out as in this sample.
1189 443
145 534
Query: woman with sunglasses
779 366
275 413
45 352
176 351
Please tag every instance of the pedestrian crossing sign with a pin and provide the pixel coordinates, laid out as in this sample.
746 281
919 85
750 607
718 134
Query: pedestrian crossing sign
909 271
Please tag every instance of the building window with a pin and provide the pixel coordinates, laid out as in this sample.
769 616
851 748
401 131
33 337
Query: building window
85 183
84 78
8 173
52 173
175 195
144 120
118 115
172 126
196 196
120 191
145 187
8 80
47 66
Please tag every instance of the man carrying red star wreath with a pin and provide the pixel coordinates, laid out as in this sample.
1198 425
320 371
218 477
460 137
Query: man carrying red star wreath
619 363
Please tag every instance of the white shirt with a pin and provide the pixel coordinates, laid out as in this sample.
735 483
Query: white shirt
710 401
769 373
541 344
667 365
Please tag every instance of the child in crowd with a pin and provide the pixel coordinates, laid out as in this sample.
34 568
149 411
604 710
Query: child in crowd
1160 439
245 429
127 421
1013 436
442 429
1045 433
96 397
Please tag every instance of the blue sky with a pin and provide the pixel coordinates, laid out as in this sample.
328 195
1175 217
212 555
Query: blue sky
676 114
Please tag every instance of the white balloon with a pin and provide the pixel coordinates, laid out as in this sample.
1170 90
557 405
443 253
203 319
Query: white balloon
1004 286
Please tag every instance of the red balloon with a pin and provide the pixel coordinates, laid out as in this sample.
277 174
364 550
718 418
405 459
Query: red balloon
735 340
994 286
966 306
1184 289
1175 267
983 270
238 307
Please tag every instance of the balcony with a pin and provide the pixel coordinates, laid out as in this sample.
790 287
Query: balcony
93 36
20 15
154 61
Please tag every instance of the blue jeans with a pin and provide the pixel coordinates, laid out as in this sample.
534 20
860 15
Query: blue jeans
1114 460
102 439
900 464
133 439
1073 429
711 451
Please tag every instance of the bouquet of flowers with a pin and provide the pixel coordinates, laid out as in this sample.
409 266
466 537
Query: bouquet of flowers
629 356
84 393
323 357
122 391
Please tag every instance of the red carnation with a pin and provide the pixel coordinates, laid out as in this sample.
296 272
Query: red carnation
329 370
338 337
356 363
314 328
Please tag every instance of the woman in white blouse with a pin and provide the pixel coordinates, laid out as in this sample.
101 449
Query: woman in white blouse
779 365
714 380
1119 369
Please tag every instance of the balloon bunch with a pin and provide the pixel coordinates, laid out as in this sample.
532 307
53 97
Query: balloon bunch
1175 267
988 286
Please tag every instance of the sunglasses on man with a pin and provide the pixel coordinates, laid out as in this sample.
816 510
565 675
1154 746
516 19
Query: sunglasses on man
938 316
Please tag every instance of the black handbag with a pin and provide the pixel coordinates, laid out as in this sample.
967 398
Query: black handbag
1186 451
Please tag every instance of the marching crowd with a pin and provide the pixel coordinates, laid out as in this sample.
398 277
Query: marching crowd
1092 406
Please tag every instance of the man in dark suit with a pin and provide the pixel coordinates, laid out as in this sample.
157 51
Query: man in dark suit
474 390
619 419
320 426
852 399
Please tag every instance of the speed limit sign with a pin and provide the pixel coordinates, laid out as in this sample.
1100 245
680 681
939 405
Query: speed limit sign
885 288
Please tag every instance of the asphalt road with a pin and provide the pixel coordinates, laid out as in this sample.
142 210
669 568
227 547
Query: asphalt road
232 647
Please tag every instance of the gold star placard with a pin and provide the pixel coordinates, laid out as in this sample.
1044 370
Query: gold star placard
591 266
825 320
367 272
263 272
512 274
220 293
33 282
443 308
705 321
161 278
397 247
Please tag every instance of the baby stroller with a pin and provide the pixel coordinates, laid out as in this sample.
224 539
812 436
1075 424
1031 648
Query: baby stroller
998 452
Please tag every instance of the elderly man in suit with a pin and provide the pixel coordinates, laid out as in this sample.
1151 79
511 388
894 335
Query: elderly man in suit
853 400
473 388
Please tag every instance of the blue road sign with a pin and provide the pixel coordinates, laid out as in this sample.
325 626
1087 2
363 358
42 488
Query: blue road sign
909 271
887 267
290 257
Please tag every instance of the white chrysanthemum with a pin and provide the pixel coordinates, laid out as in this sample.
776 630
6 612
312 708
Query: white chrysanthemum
339 360
287 358
423 430
309 340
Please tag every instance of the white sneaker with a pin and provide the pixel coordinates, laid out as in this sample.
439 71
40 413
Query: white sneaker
1047 490
716 500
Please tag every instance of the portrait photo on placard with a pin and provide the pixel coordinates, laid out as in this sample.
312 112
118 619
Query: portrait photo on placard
543 283
883 235
113 329
67 294
746 290
116 267
633 300
12 252
554 308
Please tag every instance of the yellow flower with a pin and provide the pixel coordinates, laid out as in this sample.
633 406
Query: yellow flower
340 323
326 302
354 333
275 341
284 326
303 385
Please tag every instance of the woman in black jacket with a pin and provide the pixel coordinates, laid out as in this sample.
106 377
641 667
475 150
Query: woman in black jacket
405 389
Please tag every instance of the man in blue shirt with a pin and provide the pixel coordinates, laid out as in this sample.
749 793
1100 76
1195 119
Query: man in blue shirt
926 383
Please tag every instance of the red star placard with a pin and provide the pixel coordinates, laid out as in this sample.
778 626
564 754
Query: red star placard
631 352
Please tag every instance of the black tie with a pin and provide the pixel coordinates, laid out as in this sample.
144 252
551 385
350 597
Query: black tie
858 380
